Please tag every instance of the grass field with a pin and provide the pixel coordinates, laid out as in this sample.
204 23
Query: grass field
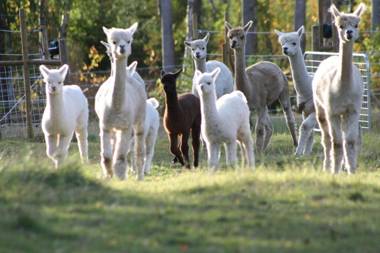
285 205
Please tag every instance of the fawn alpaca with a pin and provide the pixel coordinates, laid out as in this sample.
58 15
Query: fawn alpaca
182 115
120 106
225 82
291 47
66 112
337 91
262 83
225 120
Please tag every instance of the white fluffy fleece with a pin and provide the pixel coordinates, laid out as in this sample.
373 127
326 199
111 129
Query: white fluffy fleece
66 112
224 121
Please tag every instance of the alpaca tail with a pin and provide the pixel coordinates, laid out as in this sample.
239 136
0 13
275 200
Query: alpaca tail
241 95
154 102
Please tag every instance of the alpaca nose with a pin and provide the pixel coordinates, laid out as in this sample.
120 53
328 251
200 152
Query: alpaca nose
122 49
197 54
53 88
233 44
285 49
349 34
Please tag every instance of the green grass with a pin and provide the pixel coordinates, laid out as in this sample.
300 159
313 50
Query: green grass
286 205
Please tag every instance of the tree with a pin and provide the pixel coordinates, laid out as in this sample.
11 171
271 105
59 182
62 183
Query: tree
167 41
250 13
299 18
375 14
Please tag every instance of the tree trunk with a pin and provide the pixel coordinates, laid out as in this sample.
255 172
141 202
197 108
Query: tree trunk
167 40
43 35
299 19
250 13
3 26
375 14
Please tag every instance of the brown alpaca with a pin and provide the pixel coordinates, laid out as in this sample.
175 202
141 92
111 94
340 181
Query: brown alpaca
262 83
182 115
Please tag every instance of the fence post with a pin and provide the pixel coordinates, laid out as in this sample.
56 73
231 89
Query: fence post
25 58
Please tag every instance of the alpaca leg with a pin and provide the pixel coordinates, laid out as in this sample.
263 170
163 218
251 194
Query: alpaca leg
63 148
337 147
120 154
173 138
195 138
268 130
260 131
231 153
213 155
350 127
150 142
81 135
107 144
248 148
51 146
306 130
139 151
325 137
289 116
185 148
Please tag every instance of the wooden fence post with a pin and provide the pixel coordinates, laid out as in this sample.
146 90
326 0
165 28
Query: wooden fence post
25 58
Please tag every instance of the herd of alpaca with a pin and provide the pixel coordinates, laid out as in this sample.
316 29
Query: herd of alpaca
218 108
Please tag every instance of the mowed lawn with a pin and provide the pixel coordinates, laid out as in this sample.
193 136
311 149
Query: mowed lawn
285 205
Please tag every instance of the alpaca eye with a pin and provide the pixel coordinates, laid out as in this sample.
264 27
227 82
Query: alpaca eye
193 49
128 41
356 26
341 27
208 83
242 37
114 42
231 37
294 43
203 48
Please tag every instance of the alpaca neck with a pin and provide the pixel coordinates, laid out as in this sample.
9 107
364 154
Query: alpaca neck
241 78
171 102
300 76
55 106
200 64
345 62
119 74
208 107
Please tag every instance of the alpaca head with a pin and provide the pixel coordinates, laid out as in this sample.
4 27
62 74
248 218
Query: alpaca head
169 80
237 35
120 41
290 42
206 81
347 23
198 47
54 78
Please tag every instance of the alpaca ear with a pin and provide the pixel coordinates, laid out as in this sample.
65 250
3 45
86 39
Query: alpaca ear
334 11
176 74
248 25
215 73
227 25
44 71
206 38
106 30
197 73
278 32
360 10
301 31
107 45
162 73
188 43
132 29
132 68
63 70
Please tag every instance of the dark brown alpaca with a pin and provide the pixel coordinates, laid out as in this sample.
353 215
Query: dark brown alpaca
182 116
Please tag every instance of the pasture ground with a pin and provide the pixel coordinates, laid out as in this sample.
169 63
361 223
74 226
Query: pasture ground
285 205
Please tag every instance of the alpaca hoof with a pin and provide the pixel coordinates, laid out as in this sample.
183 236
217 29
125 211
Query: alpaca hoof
175 160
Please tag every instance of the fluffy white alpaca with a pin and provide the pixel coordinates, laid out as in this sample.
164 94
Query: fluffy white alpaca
120 105
151 126
225 120
66 112
291 47
337 91
225 82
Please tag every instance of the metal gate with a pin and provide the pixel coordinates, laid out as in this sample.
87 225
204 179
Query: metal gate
313 59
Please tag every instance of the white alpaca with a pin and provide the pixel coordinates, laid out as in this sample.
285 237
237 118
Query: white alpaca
225 82
151 126
225 120
120 106
337 91
66 112
291 47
